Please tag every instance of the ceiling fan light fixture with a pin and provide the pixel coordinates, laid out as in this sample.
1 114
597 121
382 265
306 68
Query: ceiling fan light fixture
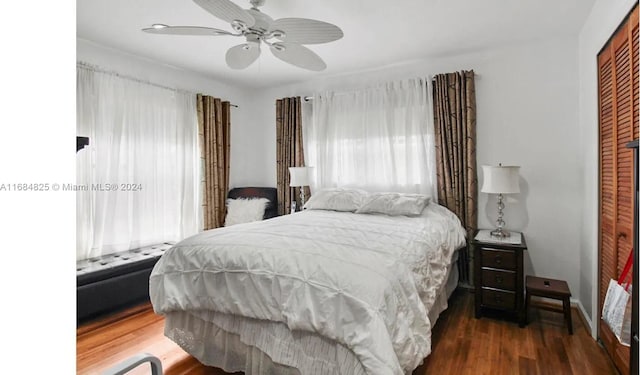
238 26
277 34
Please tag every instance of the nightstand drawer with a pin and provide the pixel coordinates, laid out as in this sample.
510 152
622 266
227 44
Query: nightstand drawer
495 258
499 279
498 299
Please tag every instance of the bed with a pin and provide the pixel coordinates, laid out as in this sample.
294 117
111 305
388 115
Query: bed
315 292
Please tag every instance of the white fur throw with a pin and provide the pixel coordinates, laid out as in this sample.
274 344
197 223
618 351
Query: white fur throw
245 210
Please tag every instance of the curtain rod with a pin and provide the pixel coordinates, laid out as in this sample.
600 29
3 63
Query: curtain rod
310 98
98 69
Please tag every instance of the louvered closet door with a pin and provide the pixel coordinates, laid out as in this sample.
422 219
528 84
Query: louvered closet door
635 69
624 157
608 253
618 114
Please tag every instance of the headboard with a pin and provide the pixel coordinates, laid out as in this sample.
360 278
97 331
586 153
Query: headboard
258 192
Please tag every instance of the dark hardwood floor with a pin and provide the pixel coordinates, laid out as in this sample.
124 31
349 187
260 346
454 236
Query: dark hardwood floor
461 344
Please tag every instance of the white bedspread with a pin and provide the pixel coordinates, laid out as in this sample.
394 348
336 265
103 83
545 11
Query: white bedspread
365 281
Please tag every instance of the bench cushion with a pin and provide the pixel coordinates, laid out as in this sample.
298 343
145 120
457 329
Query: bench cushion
107 266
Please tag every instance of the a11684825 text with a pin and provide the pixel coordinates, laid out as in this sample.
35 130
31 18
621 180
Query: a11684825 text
4 187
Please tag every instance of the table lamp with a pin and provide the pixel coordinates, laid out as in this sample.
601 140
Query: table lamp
299 177
500 180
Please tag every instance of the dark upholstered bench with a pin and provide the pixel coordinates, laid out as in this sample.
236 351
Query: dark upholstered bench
112 282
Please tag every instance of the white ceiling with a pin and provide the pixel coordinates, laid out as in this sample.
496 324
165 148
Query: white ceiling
376 32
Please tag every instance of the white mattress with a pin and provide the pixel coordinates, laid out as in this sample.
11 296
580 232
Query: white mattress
351 284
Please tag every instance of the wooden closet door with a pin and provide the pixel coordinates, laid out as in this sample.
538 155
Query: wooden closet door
618 114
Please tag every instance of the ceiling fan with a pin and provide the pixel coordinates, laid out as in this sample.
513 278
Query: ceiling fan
285 36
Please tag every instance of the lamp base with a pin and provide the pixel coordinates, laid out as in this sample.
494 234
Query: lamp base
500 233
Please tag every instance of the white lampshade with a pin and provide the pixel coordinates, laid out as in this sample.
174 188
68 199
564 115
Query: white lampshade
299 176
500 179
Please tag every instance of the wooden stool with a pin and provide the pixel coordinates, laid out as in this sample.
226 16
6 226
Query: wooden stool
549 288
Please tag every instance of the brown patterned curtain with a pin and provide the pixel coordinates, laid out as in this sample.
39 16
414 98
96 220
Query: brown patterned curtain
289 151
214 128
454 106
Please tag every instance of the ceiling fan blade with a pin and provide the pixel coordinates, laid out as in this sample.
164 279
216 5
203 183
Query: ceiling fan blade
306 31
186 30
226 11
243 55
298 55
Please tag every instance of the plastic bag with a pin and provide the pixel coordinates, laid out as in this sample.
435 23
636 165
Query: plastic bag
616 310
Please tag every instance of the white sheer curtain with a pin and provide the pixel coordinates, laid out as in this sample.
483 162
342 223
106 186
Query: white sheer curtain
140 170
379 139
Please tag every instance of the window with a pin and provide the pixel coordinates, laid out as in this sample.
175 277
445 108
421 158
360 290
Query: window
137 180
378 139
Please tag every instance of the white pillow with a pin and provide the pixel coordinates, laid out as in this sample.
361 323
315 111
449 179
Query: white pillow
245 210
336 199
394 204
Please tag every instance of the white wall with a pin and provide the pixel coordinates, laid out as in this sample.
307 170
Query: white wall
604 18
527 112
165 75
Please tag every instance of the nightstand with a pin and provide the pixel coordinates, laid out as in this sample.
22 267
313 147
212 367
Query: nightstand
499 275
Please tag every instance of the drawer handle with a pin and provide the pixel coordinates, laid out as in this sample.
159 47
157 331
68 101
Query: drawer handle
498 259
497 298
499 279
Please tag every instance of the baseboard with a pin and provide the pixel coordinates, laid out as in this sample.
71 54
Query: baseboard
585 317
